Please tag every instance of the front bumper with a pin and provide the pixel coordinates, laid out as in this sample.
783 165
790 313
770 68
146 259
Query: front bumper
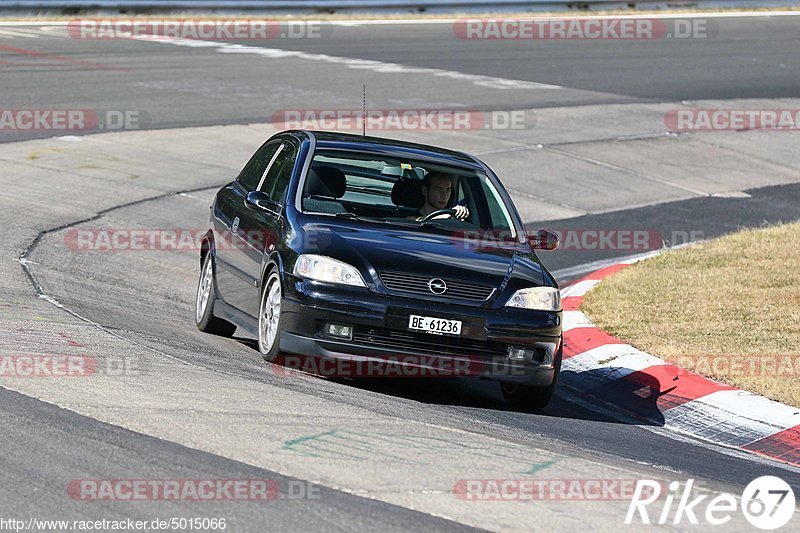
380 333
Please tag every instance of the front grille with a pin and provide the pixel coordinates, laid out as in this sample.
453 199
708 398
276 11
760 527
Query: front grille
426 343
416 284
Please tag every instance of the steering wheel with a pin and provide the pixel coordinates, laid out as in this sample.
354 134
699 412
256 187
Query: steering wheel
434 214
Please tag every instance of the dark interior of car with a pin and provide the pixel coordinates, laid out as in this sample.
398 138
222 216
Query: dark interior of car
327 185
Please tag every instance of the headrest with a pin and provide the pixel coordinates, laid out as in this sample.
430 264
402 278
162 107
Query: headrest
407 192
324 180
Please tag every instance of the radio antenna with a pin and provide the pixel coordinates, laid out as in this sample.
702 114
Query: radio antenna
364 111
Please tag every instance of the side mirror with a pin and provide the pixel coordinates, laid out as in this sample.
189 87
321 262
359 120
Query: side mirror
543 240
260 200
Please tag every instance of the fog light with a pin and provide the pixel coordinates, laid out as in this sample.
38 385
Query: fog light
519 354
339 331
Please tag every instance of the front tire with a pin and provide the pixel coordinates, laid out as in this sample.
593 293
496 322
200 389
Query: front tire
269 318
204 303
529 397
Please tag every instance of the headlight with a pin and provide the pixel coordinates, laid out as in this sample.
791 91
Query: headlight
541 298
323 268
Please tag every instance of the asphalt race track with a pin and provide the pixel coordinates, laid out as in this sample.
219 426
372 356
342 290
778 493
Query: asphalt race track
593 154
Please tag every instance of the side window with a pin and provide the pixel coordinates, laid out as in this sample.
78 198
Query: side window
463 197
501 220
461 192
254 170
276 180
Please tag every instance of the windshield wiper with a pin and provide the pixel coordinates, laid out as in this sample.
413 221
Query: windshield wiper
350 216
353 216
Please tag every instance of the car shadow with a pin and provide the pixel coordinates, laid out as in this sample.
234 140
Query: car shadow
636 399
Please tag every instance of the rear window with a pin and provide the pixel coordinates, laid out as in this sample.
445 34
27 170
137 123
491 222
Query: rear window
366 182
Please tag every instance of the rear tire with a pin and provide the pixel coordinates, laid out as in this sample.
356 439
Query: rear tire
204 303
269 318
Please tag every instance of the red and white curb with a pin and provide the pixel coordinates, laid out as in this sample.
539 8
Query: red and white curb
604 368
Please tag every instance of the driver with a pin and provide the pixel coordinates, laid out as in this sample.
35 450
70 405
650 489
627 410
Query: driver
437 189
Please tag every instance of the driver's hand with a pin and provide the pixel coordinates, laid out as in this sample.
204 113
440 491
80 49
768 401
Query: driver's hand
461 212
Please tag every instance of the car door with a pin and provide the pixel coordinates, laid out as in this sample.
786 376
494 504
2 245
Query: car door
233 283
261 227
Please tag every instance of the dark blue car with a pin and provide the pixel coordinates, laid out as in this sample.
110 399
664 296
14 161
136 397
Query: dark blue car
345 247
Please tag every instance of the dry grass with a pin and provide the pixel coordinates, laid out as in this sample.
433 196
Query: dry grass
728 309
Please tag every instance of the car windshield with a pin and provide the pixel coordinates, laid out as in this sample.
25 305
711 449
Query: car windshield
377 187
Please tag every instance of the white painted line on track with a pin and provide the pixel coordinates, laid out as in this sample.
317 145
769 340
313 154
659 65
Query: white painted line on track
353 63
17 33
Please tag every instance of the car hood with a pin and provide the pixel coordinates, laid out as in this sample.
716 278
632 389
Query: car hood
382 248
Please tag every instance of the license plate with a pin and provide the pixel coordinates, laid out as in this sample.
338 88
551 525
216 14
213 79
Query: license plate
437 326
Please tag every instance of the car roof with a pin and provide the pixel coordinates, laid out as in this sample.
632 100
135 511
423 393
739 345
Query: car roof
394 147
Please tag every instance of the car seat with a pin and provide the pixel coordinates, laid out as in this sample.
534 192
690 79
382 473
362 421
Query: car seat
325 185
